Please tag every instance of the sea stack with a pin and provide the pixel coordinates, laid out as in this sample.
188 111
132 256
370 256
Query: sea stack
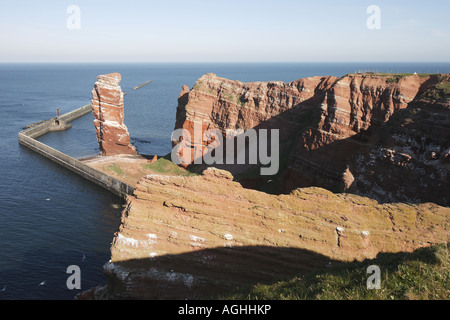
107 107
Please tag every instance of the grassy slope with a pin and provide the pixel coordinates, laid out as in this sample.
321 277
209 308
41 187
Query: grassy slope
422 275
165 166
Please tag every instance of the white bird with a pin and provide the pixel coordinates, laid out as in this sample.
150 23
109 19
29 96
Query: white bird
84 257
48 199
43 284
4 289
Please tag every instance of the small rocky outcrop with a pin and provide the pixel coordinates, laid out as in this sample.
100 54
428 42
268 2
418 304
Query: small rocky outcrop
200 236
107 107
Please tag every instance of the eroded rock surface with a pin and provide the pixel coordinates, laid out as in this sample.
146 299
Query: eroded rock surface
333 130
107 107
201 236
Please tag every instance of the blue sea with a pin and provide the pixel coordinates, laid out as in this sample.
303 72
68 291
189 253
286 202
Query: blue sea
50 218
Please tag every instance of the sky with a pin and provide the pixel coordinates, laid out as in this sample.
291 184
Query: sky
224 31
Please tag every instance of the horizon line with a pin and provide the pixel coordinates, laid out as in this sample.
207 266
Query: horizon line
207 62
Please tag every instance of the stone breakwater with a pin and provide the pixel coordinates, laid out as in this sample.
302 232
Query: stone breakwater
28 138
334 131
107 107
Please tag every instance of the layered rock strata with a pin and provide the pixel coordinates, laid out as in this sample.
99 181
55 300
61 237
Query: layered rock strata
206 235
108 110
330 127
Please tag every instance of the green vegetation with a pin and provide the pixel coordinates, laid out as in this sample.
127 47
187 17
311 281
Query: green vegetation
229 96
393 77
444 86
400 75
165 166
423 75
439 92
198 85
116 169
422 275
240 101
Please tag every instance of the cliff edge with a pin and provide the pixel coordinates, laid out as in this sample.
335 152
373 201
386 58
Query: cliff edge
337 133
205 235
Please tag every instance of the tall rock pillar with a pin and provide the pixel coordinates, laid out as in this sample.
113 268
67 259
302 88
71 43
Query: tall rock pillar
107 107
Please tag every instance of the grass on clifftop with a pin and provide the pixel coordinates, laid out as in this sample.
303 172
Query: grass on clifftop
167 167
115 168
393 74
421 275
392 77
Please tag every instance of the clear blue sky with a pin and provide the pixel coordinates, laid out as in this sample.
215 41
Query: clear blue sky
224 31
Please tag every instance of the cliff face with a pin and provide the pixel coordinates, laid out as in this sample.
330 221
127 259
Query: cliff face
107 107
334 132
195 237
411 157
382 136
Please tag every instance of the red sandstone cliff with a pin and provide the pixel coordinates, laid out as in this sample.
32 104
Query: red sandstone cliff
200 236
107 107
331 127
205 235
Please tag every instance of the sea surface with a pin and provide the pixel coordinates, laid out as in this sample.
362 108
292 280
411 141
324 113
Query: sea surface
50 218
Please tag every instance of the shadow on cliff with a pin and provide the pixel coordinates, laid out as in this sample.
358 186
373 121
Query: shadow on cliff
225 272
209 272
309 157
291 124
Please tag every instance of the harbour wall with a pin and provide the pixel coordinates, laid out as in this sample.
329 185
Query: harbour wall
28 138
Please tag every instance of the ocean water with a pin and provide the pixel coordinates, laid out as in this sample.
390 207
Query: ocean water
50 218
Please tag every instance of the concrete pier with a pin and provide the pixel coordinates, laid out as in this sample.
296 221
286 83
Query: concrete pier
28 138
144 84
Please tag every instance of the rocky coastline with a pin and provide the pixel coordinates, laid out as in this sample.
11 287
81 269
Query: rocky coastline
365 171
